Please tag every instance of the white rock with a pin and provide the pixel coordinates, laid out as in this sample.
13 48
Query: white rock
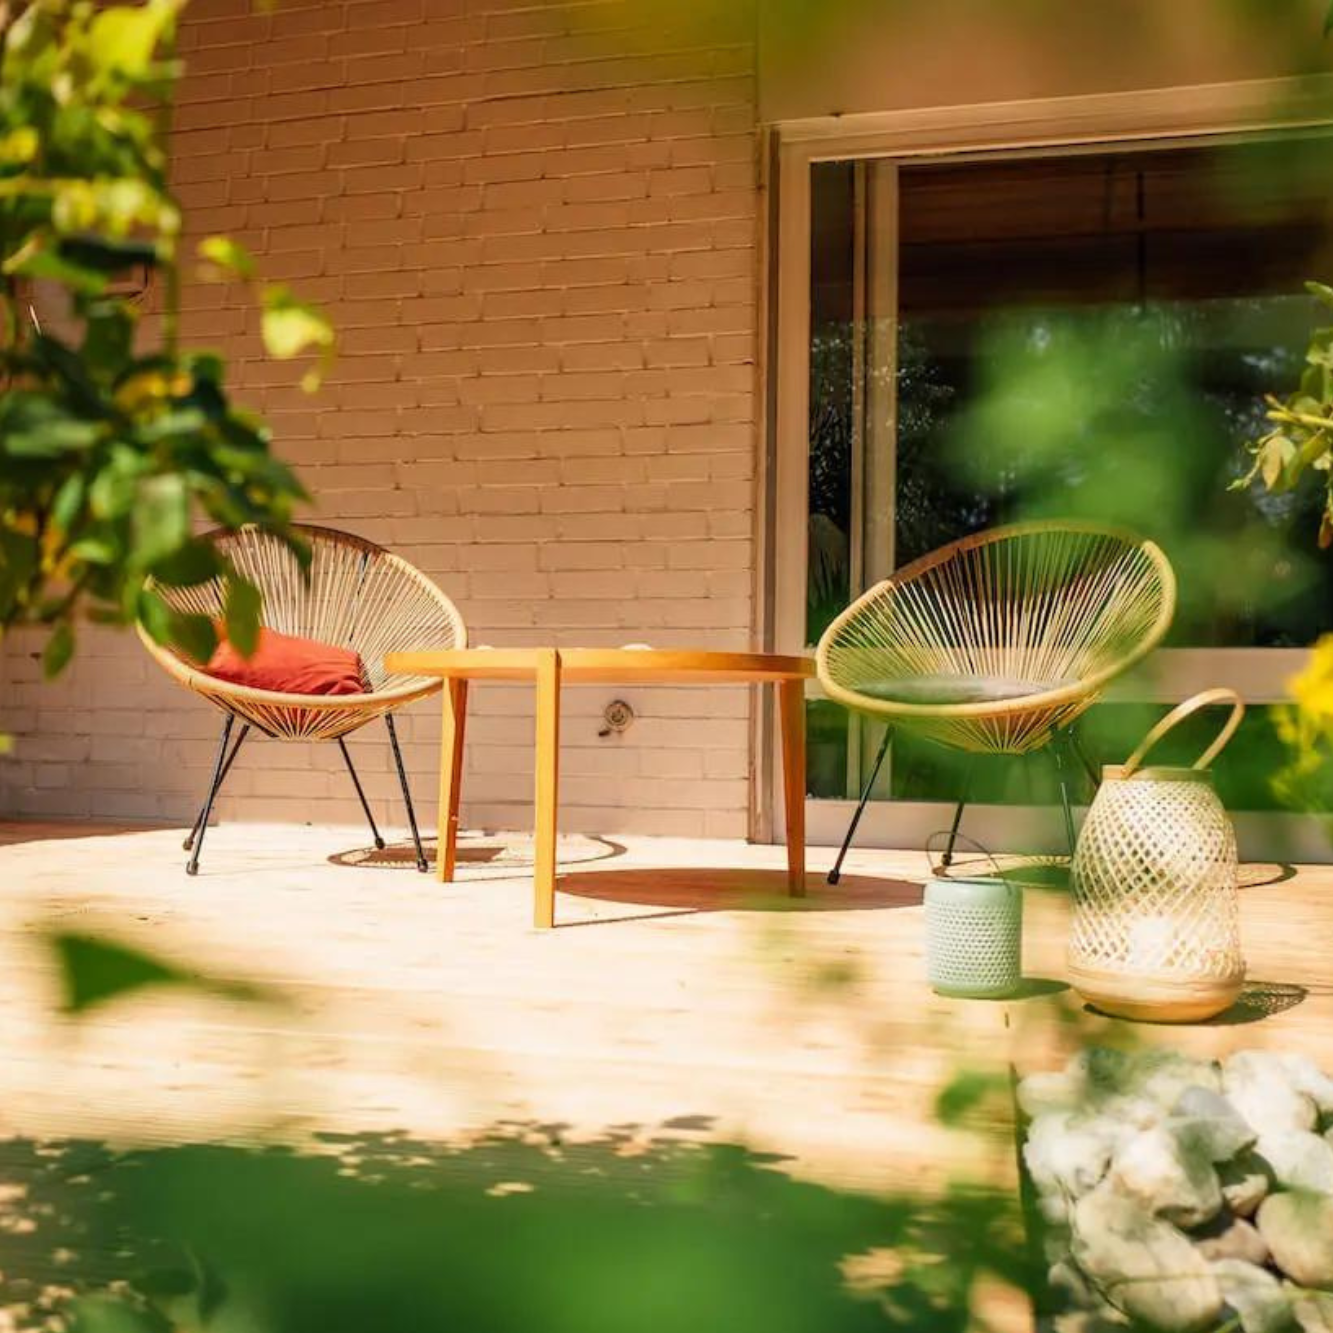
1068 1151
1171 1179
1313 1310
1246 1183
1229 1237
1144 1266
1255 1295
1065 1278
1307 1077
1298 1160
1299 1230
1039 1094
1262 1088
1088 1321
1164 1076
1205 1119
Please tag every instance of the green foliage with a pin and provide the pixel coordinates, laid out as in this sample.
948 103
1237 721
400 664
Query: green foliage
1301 440
94 970
514 1231
113 439
291 328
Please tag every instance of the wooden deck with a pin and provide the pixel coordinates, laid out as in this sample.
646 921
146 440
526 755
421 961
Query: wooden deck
681 995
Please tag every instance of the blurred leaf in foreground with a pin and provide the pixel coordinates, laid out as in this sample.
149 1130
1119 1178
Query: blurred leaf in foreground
94 970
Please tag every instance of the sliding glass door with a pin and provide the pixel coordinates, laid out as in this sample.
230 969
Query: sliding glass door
1084 333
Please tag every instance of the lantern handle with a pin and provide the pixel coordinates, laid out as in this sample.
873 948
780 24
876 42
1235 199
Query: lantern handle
1204 699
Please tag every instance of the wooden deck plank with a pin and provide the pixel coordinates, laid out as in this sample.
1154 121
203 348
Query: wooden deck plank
684 994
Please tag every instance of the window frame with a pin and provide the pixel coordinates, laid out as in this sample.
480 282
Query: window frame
1152 119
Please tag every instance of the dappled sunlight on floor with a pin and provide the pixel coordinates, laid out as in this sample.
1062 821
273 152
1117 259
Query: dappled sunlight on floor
681 988
682 994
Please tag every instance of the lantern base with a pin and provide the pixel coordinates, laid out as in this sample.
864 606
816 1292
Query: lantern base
1156 999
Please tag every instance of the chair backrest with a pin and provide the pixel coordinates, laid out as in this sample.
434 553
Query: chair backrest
1059 605
357 595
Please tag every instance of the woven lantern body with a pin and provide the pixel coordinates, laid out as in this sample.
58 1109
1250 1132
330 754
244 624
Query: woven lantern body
1156 921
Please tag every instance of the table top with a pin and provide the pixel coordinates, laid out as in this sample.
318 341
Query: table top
595 665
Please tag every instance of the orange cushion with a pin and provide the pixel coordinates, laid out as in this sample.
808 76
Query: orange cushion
290 665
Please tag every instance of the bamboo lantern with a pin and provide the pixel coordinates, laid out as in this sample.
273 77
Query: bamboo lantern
1156 928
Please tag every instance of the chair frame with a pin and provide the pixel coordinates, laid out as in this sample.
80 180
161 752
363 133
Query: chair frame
285 716
1013 726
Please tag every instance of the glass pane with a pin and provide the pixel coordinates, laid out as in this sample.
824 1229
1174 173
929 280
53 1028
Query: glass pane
1170 253
1151 298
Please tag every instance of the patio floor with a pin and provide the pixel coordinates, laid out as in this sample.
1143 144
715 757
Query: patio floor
676 998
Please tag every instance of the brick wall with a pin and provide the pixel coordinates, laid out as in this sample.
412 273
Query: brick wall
535 229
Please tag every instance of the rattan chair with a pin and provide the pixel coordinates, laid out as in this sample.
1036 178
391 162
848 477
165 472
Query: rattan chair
996 643
357 596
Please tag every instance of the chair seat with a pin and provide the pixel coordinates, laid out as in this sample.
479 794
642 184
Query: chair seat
955 689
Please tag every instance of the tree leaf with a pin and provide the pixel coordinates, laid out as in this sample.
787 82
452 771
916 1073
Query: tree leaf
48 265
231 256
94 969
18 563
124 40
965 1093
160 521
55 436
113 491
1277 453
154 615
191 564
59 649
96 549
68 501
194 635
19 146
103 1314
109 340
291 328
243 606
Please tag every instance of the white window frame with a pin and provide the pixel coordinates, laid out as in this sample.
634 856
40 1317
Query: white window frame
1154 118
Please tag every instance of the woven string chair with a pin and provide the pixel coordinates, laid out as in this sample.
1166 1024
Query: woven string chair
357 596
996 643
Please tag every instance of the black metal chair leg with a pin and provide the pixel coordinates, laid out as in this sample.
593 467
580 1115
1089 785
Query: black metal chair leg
1061 757
947 860
836 873
407 793
226 768
219 771
1094 776
365 805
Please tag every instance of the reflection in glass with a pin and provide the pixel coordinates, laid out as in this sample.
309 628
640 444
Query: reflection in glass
1083 335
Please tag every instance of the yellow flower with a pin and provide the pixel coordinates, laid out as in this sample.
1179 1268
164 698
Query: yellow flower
1312 688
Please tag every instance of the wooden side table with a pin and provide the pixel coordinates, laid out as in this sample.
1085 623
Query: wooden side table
552 668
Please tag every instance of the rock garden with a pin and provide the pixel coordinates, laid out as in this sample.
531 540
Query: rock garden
1185 1195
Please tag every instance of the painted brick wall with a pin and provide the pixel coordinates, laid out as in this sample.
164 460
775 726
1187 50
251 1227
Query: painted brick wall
535 228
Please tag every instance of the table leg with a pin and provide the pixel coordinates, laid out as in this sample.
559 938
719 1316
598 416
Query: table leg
453 726
548 781
791 711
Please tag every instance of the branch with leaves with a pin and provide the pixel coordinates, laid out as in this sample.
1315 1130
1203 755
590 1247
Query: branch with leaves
1301 440
114 441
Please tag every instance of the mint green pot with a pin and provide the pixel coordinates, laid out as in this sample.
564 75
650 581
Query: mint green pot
974 937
